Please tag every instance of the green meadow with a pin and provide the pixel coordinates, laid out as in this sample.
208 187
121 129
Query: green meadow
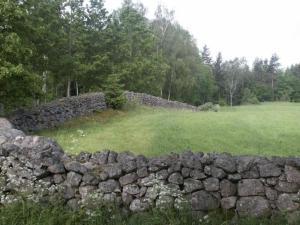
265 129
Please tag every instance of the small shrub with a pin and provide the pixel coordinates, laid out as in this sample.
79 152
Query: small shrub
209 106
113 91
249 97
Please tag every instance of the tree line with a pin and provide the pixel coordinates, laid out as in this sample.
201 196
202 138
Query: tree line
55 48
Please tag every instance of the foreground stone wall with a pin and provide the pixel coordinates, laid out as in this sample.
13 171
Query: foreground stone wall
56 112
36 167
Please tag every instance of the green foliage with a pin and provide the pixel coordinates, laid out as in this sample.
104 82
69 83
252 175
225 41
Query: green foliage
156 131
113 91
35 214
249 97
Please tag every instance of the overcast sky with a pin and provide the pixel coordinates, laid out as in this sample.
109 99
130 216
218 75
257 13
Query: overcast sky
238 28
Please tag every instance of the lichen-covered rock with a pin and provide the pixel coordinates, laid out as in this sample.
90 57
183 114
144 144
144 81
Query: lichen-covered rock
255 206
197 174
250 187
191 185
214 172
139 205
131 189
4 123
271 194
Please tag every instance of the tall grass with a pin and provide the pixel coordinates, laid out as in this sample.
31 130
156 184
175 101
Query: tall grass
35 214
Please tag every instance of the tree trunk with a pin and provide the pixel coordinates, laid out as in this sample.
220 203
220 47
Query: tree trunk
231 97
77 90
68 88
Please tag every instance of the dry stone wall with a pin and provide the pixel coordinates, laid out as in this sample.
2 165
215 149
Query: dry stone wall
251 186
56 112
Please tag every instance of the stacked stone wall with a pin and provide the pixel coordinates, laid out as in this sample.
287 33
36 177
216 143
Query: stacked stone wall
249 185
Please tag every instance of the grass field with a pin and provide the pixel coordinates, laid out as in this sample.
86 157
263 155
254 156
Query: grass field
266 129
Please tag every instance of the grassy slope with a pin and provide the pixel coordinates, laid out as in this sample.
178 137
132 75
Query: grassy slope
267 129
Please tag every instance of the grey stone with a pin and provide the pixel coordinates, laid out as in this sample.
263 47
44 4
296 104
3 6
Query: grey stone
142 172
103 176
90 179
251 174
287 187
272 181
109 186
112 157
211 184
214 172
73 204
288 202
58 178
292 174
176 178
234 177
228 203
185 172
271 194
75 167
57 168
126 198
125 157
69 192
4 123
269 170
141 161
197 174
190 160
86 190
131 189
128 179
255 206
226 163
245 163
204 201
191 185
73 179
129 166
113 170
250 187
162 174
227 188
100 157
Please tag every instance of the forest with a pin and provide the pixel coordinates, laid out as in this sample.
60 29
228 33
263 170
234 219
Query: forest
60 48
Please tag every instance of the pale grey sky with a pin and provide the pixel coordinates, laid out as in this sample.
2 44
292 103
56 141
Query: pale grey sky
238 28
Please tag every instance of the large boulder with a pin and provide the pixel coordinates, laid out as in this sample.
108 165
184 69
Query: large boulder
292 174
226 162
269 170
288 202
4 123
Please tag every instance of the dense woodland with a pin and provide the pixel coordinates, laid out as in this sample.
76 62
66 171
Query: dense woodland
55 48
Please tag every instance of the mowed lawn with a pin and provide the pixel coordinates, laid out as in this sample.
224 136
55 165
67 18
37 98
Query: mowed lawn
266 129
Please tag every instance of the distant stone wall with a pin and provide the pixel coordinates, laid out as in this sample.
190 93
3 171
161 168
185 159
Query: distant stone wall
249 185
145 99
56 112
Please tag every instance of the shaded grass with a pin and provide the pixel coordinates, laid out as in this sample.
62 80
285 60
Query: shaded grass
35 214
266 129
